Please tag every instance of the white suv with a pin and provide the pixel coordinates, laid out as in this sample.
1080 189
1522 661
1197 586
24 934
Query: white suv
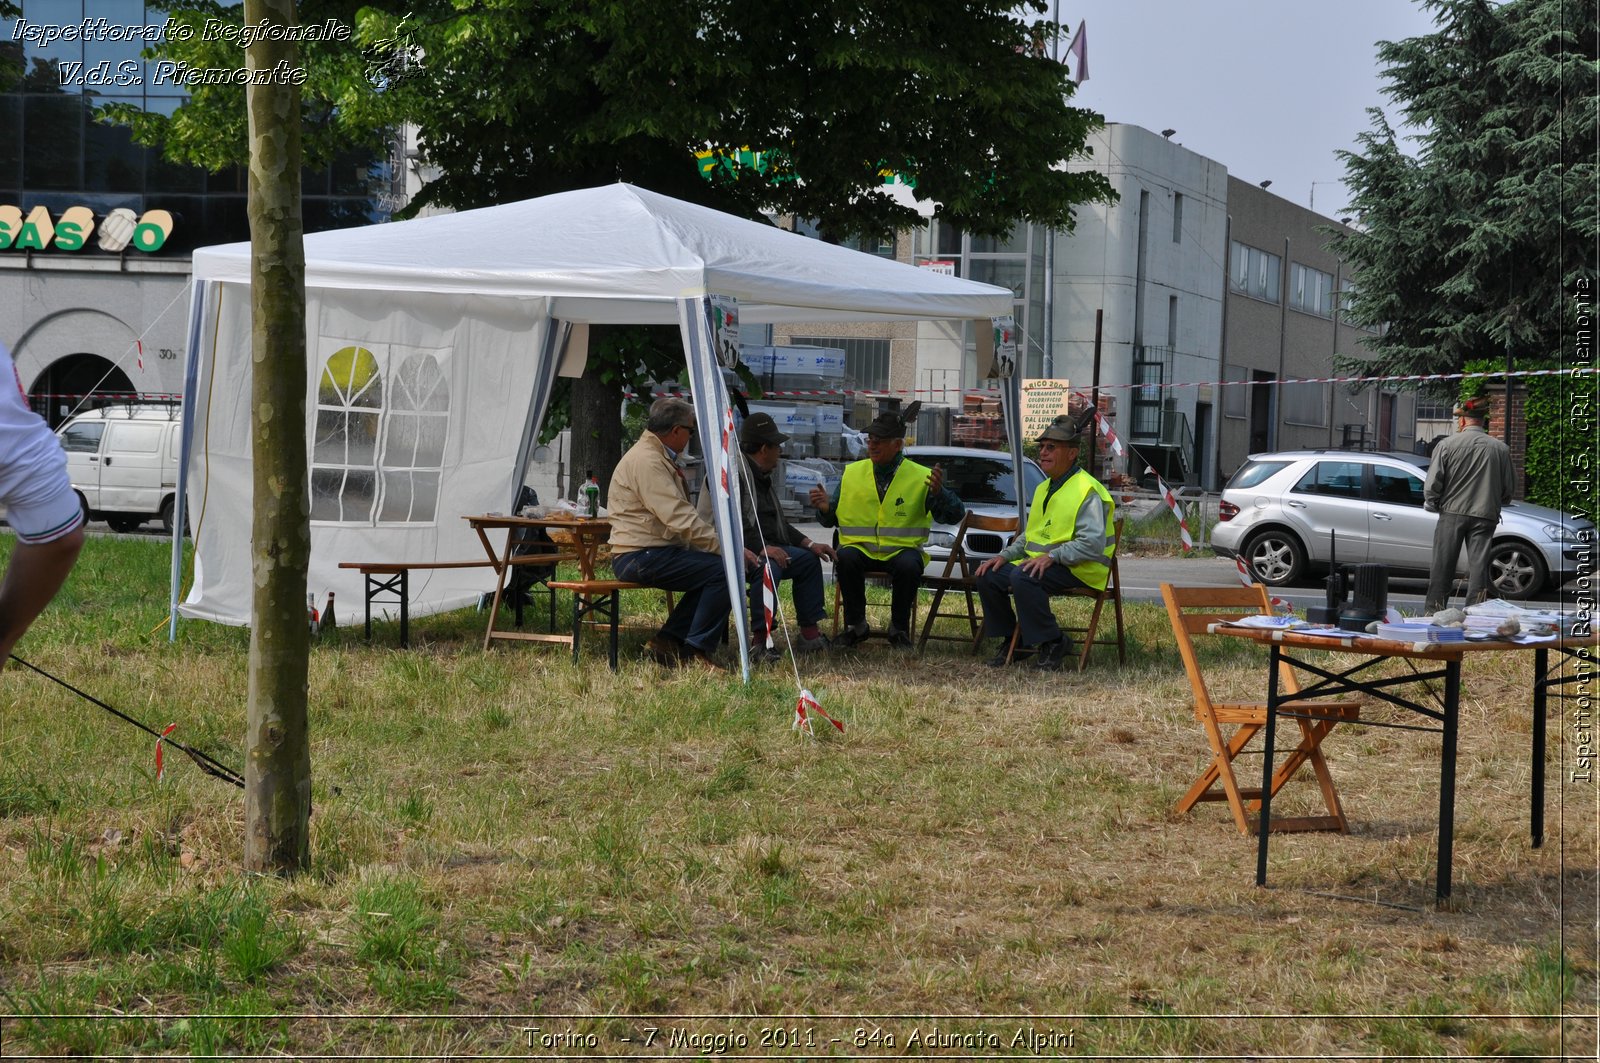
1289 513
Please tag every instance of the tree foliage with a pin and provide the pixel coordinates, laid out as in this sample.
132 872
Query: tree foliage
1467 246
519 98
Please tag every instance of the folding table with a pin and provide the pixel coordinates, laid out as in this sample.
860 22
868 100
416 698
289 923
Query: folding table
1446 714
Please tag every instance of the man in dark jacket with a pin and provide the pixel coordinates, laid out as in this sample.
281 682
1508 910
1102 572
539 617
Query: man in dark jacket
1469 480
787 552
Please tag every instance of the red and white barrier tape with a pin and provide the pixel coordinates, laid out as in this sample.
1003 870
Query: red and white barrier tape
803 709
769 598
1398 378
1249 580
160 770
1177 510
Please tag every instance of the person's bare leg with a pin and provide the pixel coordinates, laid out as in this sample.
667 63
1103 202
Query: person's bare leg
35 574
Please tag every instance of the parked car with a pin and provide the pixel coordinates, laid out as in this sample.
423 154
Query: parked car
123 461
985 482
1287 514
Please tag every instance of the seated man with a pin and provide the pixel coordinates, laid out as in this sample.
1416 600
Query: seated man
1068 543
658 540
787 551
41 507
883 509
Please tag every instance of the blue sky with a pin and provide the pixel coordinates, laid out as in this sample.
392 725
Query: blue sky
1269 88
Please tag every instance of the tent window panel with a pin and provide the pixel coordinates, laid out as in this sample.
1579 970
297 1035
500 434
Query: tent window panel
420 384
409 496
341 495
382 423
350 377
353 443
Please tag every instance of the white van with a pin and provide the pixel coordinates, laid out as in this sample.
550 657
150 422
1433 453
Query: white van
123 461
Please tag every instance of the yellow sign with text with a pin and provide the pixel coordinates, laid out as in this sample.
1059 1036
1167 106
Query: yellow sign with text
1043 400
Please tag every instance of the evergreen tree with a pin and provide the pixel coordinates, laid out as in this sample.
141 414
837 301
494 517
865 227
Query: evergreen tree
1469 247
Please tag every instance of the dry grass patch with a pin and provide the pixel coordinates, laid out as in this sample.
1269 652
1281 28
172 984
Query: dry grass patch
508 834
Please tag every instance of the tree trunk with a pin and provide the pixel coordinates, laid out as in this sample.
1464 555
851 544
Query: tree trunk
278 753
596 405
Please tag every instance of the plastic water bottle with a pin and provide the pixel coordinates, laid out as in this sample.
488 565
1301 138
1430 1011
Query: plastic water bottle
591 496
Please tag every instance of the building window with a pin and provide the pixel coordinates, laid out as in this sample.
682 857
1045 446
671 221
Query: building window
1254 272
1310 290
381 423
1177 217
1172 322
1305 404
866 361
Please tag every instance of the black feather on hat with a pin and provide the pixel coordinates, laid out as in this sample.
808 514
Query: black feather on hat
889 425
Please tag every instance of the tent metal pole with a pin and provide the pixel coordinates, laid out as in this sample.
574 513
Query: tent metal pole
191 378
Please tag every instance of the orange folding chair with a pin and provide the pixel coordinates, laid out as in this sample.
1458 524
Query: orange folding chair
1192 610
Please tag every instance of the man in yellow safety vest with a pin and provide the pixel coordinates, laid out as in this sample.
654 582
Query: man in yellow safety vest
883 509
1067 543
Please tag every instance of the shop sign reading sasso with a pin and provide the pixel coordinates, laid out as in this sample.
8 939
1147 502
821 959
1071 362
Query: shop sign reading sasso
120 229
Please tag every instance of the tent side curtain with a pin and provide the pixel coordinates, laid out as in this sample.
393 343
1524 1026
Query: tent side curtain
714 416
416 411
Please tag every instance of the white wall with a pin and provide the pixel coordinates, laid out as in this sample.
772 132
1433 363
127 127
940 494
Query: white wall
1097 264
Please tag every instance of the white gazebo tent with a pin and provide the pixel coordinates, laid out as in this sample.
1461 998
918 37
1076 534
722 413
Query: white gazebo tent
433 346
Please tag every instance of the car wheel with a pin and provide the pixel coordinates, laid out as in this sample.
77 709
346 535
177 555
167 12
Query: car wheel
83 504
119 523
1275 557
1516 570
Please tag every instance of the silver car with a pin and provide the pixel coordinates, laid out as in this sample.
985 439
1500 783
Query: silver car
1288 513
985 483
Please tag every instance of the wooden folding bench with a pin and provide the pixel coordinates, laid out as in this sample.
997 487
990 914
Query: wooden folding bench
394 577
600 599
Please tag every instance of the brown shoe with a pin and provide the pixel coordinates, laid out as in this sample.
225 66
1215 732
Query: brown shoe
665 650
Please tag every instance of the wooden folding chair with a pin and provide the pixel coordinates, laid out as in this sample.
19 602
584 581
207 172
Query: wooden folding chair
1191 610
1086 632
959 576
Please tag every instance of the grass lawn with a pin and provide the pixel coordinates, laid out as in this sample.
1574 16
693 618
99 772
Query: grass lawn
505 841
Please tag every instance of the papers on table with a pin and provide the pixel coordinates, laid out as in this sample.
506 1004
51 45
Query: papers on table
1491 615
1269 623
1418 632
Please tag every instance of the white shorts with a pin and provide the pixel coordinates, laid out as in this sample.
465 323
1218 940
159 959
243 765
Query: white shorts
47 514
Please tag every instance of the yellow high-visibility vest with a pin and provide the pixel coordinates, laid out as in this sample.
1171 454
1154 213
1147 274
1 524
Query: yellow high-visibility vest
1053 522
882 529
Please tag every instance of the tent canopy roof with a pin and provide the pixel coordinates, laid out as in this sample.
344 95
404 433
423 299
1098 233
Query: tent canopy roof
619 254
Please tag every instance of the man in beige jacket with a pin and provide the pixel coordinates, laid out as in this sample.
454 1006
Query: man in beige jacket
658 540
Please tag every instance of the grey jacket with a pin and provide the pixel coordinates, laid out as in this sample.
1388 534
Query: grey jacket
1470 475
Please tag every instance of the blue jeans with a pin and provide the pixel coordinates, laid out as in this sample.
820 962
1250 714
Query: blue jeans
701 615
805 572
1032 595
